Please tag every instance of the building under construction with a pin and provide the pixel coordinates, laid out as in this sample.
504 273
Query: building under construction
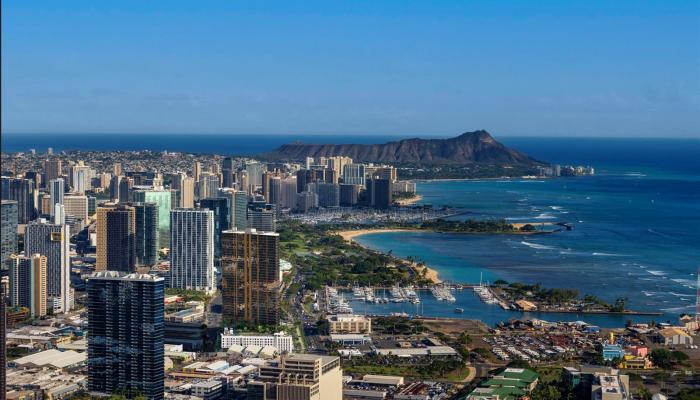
251 281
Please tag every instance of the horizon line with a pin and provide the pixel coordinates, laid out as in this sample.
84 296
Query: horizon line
364 135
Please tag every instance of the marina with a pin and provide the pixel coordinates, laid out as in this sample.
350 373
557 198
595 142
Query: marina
466 305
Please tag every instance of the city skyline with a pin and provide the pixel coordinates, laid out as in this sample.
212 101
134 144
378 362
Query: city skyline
400 69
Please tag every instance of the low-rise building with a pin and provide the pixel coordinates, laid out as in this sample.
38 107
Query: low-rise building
351 339
673 336
280 340
208 390
634 362
612 351
511 383
349 323
610 387
298 377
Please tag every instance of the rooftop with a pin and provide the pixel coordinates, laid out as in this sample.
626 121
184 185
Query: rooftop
52 358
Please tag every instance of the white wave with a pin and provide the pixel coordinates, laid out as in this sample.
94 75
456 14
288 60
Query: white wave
545 216
689 283
634 174
689 307
609 254
556 208
648 294
537 246
656 273
681 294
518 218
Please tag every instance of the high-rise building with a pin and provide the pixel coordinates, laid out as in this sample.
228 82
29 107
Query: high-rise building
328 193
126 334
265 184
239 210
114 188
354 174
52 169
92 205
306 201
255 171
80 177
185 186
116 169
288 195
261 217
22 191
349 194
57 190
388 173
298 377
125 185
28 283
59 214
162 198
309 162
187 193
227 172
242 181
105 179
275 191
76 205
45 205
379 193
146 216
208 185
251 277
221 206
116 238
337 164
35 177
196 170
51 241
304 177
192 249
8 232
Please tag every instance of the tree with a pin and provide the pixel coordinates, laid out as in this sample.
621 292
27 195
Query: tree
662 358
546 391
643 393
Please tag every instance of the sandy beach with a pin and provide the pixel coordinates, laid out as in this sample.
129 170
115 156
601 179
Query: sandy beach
410 201
430 273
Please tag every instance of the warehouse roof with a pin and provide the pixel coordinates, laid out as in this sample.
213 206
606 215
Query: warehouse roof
52 358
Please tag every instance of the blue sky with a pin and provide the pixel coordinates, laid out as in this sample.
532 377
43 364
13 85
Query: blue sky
571 68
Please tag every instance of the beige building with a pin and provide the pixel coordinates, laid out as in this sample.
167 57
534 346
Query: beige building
674 336
116 238
76 205
349 323
299 377
28 283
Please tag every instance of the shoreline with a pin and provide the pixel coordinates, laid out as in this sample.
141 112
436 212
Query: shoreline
430 274
410 201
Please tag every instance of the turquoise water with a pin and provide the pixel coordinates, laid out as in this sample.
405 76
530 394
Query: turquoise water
635 232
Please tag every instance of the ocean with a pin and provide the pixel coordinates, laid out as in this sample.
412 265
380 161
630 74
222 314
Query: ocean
635 230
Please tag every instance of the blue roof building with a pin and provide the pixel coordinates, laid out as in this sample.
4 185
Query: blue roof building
612 351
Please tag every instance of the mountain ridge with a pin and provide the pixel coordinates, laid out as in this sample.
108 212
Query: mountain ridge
477 147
